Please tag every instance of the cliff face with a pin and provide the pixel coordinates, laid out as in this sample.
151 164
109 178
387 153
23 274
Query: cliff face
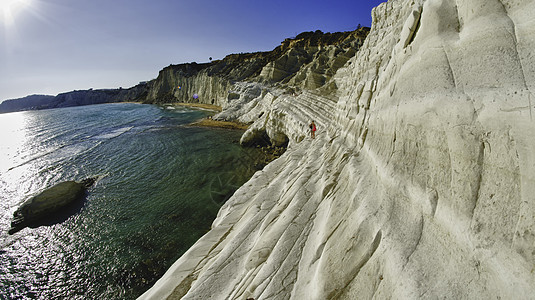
307 61
419 184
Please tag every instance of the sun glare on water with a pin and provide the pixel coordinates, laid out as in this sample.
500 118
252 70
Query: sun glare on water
10 8
13 135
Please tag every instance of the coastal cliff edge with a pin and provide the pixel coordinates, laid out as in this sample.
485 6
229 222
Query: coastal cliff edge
420 182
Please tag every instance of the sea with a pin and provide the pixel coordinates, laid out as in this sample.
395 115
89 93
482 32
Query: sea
160 183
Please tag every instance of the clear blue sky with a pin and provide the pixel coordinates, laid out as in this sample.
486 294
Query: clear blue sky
54 46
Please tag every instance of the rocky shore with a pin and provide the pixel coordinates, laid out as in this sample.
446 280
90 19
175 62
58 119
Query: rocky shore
269 152
419 183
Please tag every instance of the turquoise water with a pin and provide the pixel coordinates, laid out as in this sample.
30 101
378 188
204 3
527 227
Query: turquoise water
160 186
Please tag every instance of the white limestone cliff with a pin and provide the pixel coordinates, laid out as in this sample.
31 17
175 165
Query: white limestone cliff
419 184
307 61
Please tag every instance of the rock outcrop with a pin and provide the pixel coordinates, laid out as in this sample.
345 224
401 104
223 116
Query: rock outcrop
48 203
419 184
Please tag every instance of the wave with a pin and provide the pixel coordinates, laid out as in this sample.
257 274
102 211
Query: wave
114 133
60 153
73 149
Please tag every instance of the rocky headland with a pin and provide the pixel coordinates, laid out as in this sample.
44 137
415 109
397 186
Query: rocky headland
420 182
76 98
307 61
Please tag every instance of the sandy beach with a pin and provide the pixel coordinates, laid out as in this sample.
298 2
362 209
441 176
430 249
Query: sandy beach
200 105
207 122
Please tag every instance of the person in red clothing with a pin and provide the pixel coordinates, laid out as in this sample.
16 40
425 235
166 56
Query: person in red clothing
312 130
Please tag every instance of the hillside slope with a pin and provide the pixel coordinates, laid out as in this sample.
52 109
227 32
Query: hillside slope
420 183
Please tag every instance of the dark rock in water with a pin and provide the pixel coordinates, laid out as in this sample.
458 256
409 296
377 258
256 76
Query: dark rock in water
50 203
88 182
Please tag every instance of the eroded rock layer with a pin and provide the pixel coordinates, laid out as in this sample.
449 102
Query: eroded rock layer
307 61
419 184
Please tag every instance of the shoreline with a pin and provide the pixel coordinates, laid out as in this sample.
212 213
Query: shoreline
200 105
207 122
